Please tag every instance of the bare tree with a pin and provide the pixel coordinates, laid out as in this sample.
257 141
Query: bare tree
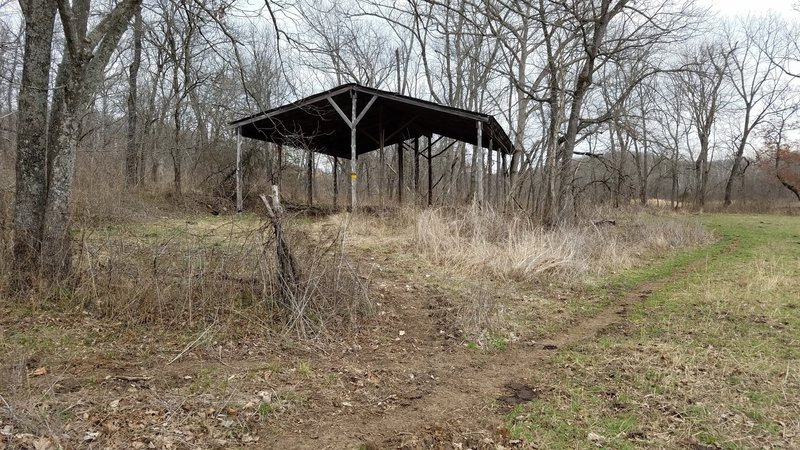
704 86
755 82
132 157
31 169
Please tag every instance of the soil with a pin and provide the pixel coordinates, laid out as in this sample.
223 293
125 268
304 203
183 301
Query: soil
405 381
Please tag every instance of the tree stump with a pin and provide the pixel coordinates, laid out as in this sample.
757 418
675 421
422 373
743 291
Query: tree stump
288 270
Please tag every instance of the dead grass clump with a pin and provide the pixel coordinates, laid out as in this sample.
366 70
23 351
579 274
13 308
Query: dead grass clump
477 241
479 316
212 270
330 293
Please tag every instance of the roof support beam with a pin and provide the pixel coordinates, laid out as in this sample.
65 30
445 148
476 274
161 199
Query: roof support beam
430 170
479 169
353 122
353 155
341 113
366 108
239 170
401 127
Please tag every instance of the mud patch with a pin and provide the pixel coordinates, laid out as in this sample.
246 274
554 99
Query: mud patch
518 393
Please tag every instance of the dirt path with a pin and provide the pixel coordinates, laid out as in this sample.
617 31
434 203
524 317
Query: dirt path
449 395
405 381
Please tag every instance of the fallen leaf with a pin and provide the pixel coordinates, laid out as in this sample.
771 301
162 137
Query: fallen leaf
597 438
38 372
43 443
91 436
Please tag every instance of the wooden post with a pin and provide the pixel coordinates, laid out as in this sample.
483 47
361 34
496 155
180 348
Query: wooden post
505 181
239 200
430 172
489 172
498 199
335 182
416 169
479 181
280 167
400 173
353 155
381 157
310 175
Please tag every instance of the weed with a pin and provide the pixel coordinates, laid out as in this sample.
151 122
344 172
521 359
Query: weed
265 410
304 369
497 341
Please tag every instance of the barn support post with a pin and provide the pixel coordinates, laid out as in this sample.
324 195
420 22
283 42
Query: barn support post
310 178
280 168
353 155
430 171
335 182
239 201
498 198
489 172
416 169
505 182
479 169
400 179
381 156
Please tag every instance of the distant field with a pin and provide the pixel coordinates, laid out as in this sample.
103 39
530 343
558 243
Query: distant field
710 360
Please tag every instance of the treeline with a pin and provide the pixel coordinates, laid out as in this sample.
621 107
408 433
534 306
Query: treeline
606 102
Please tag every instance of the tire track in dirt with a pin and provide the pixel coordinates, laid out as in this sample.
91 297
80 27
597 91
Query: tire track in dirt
464 397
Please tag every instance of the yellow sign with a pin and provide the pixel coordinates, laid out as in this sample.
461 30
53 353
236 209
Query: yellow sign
353 176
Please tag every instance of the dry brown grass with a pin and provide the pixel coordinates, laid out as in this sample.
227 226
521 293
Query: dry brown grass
514 247
196 271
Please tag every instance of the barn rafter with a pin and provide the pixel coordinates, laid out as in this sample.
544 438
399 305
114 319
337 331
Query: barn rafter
351 120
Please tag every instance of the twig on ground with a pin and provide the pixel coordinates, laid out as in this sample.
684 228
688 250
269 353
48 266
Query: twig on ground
191 345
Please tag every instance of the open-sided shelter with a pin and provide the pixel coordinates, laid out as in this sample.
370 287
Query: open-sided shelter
350 120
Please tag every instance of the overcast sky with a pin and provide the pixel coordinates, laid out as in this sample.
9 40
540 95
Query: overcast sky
734 7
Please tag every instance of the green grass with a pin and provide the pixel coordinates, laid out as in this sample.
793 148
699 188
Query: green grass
709 359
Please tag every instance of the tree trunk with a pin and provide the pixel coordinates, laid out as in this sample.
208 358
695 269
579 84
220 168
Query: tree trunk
701 171
31 163
56 248
132 158
737 161
81 73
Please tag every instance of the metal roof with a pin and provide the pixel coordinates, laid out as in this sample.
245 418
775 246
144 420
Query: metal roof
314 123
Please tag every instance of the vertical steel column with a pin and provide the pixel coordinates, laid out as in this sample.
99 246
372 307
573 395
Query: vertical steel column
280 168
353 156
400 165
239 201
479 150
430 172
489 172
505 181
310 181
381 156
416 169
498 198
335 182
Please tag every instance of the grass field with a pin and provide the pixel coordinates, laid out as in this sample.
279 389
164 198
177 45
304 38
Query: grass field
648 334
711 360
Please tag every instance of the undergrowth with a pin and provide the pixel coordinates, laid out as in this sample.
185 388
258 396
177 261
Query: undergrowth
515 247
